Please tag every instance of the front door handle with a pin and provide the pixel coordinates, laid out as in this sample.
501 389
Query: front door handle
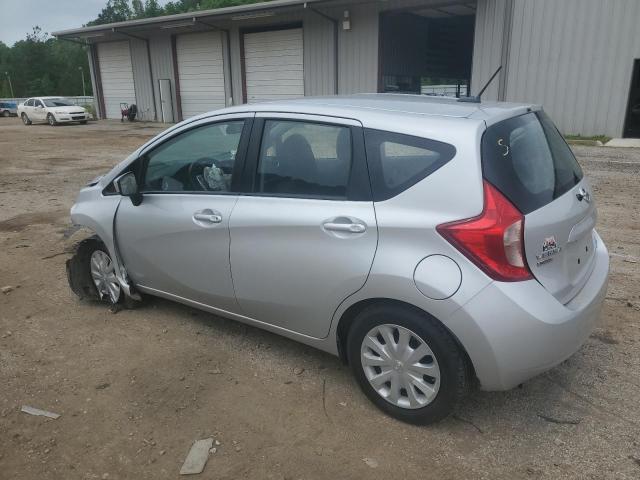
207 216
345 227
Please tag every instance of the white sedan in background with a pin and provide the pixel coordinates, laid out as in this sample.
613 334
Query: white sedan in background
52 110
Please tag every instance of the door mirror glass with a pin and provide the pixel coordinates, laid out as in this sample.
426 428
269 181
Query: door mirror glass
126 185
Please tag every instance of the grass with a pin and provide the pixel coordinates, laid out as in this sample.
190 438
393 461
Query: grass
602 138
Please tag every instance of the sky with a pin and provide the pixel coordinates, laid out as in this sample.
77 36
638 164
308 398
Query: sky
18 17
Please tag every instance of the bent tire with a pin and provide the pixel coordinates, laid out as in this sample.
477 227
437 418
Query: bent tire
51 120
407 363
91 273
25 119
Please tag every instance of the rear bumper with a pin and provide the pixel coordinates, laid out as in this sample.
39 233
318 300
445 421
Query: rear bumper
514 331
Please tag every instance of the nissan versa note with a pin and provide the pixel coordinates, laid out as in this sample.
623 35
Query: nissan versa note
426 241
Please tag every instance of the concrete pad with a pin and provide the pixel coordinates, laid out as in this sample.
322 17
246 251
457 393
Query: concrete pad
623 142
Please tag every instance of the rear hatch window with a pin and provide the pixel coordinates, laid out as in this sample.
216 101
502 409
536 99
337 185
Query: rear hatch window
527 159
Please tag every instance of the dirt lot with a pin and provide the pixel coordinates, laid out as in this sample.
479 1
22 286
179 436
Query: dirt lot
136 388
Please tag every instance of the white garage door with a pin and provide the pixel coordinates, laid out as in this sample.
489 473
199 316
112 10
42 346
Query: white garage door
201 72
273 63
116 75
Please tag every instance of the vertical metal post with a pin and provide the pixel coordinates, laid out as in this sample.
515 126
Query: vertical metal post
10 86
84 89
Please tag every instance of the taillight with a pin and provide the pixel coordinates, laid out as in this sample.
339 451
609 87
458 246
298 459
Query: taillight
494 240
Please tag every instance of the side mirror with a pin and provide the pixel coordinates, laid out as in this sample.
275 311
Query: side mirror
127 186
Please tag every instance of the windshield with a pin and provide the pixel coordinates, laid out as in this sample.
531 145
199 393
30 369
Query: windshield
57 102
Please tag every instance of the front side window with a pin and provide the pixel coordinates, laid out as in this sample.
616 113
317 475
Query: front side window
39 103
304 159
198 160
399 161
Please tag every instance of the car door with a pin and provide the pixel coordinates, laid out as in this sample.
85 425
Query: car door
39 113
27 107
176 242
304 235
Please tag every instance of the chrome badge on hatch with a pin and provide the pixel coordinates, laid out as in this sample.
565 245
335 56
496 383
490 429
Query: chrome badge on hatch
549 249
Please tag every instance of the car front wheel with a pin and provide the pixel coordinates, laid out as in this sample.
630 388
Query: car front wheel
407 363
91 272
51 120
6 113
25 119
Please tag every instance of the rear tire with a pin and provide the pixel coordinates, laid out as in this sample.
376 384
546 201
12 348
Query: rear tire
6 113
25 119
421 390
51 120
91 273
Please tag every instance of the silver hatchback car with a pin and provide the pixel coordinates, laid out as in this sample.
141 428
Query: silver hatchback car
425 241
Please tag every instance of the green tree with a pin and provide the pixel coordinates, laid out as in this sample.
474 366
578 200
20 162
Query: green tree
114 11
138 8
40 65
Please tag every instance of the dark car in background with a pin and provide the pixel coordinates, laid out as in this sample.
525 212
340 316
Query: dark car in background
8 109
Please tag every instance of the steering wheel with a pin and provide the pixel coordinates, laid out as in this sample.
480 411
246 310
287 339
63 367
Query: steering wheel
196 173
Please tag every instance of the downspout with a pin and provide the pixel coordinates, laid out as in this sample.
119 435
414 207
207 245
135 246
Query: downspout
228 54
336 60
153 91
505 51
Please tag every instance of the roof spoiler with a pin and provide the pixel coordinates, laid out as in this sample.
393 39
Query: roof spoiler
476 99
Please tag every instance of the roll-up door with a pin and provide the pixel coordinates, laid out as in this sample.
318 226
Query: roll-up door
274 67
201 72
116 75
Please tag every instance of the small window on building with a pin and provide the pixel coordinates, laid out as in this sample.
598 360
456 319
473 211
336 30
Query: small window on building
304 159
399 161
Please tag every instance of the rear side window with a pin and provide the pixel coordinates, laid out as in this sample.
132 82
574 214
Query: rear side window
527 159
304 159
399 161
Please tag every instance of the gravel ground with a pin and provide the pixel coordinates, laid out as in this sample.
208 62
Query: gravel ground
135 389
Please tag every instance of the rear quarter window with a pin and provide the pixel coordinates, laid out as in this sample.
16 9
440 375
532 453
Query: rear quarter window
397 161
527 159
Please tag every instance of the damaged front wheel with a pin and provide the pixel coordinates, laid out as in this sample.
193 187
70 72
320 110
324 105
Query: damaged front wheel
91 272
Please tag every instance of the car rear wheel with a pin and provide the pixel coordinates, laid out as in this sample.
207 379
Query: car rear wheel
407 363
51 120
25 119
91 273
6 113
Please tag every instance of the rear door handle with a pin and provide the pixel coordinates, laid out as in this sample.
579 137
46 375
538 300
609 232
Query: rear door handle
345 227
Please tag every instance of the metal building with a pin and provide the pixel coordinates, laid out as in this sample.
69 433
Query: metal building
580 59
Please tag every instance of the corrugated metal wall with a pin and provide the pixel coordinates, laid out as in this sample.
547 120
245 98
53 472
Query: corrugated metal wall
574 57
162 66
358 50
142 80
487 46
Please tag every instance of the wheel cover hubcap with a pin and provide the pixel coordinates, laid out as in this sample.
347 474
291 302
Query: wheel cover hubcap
400 366
103 275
